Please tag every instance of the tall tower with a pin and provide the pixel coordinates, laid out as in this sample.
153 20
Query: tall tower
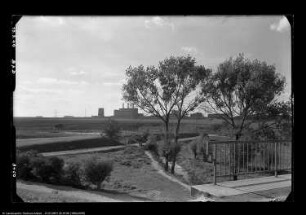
101 112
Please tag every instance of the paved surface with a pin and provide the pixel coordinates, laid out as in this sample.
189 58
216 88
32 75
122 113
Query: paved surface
255 189
81 151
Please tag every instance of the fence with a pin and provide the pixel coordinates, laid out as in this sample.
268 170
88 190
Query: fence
235 159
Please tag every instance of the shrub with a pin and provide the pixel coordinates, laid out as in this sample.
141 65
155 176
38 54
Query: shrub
97 171
58 127
203 152
152 146
174 150
193 147
145 136
24 167
40 168
48 170
73 174
55 165
112 129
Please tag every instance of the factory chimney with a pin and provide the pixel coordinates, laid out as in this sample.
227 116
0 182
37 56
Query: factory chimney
122 105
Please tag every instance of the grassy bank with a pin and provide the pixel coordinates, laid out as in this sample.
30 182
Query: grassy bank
133 174
72 145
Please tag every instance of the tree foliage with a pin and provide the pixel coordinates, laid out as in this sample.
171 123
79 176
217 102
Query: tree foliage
112 129
168 88
97 171
274 123
241 90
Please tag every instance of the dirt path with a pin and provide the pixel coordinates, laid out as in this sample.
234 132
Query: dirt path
180 170
159 169
81 151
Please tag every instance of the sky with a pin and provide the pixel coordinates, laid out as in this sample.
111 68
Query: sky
73 65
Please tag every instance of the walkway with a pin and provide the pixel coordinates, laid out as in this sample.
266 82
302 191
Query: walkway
159 169
81 151
255 189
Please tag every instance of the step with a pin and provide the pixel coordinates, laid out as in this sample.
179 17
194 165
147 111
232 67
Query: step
241 187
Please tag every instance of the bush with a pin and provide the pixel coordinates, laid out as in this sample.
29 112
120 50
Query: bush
24 167
73 174
193 147
112 129
48 170
152 146
58 127
145 136
174 150
97 171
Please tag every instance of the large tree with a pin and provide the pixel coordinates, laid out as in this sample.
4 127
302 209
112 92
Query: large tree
275 122
242 91
159 91
186 76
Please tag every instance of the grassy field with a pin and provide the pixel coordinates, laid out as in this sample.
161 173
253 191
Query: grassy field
31 127
71 145
133 174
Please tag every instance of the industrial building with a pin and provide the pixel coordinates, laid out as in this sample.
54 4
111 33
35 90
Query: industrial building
215 116
197 115
101 112
130 112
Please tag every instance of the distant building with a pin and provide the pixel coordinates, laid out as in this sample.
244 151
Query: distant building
130 112
101 112
68 116
197 115
215 116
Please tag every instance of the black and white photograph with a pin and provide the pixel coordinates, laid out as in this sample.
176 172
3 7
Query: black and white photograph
148 108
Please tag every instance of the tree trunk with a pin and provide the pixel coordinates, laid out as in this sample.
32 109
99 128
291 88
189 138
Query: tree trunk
166 142
177 130
166 163
175 142
173 165
236 151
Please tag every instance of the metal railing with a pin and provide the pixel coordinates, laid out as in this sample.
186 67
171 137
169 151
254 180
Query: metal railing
234 159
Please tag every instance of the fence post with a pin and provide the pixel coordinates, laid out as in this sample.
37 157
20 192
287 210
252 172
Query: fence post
235 163
275 159
206 141
215 165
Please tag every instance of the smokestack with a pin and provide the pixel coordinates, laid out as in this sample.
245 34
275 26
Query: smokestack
122 105
133 105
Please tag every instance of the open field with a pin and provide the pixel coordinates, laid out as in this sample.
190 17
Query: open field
69 145
55 139
31 127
